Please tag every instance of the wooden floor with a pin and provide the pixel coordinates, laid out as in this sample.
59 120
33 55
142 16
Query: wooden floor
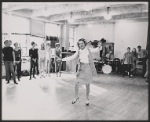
112 97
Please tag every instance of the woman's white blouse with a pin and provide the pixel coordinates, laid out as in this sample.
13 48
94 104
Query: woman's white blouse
42 54
83 56
48 54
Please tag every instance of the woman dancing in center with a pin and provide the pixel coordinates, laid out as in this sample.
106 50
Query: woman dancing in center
86 69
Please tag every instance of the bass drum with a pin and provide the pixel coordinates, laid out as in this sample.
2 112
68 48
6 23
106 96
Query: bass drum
107 69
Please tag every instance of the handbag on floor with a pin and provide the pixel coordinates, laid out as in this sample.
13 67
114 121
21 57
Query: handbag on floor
25 73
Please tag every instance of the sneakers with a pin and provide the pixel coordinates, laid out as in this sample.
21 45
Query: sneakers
75 100
87 102
15 83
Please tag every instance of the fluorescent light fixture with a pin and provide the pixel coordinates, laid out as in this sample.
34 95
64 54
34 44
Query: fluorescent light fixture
71 19
108 16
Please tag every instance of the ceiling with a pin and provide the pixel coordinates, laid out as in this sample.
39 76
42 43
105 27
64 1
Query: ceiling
81 12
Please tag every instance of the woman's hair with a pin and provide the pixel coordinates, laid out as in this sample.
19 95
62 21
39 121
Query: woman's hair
95 43
103 40
48 44
82 39
15 43
134 53
6 41
57 44
32 43
139 46
128 48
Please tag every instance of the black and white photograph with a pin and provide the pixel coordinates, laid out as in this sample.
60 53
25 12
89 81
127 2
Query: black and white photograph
75 61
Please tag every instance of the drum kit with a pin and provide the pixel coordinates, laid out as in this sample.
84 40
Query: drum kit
109 66
107 69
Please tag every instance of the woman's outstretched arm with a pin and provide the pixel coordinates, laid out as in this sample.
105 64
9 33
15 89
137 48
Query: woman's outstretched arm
70 57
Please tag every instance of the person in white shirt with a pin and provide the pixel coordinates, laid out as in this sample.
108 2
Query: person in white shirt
86 68
42 60
48 58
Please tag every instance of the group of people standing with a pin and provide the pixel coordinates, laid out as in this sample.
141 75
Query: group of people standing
130 60
41 58
12 60
85 70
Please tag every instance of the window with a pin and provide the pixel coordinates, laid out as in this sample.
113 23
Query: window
71 38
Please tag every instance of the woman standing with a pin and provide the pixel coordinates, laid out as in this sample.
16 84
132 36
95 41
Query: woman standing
17 52
42 60
86 69
134 59
127 62
48 58
58 57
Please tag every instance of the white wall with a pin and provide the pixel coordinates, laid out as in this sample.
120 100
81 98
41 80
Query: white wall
96 32
123 34
129 34
14 24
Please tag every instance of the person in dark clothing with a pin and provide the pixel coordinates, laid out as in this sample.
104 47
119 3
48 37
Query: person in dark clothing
33 55
37 64
58 61
9 60
142 55
127 62
103 50
17 66
135 58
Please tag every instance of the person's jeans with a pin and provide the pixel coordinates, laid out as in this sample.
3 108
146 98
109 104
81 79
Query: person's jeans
9 66
32 66
18 67
37 67
127 67
58 66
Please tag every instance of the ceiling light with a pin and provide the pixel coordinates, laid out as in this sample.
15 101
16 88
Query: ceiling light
108 16
71 19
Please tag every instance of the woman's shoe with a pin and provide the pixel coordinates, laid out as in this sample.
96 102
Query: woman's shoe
75 100
7 82
87 102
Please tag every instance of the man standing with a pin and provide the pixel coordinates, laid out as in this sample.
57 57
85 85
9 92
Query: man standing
37 64
33 59
142 55
9 60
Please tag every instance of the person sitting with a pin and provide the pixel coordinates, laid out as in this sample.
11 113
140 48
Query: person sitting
142 54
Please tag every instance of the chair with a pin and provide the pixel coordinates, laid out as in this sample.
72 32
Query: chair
139 65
